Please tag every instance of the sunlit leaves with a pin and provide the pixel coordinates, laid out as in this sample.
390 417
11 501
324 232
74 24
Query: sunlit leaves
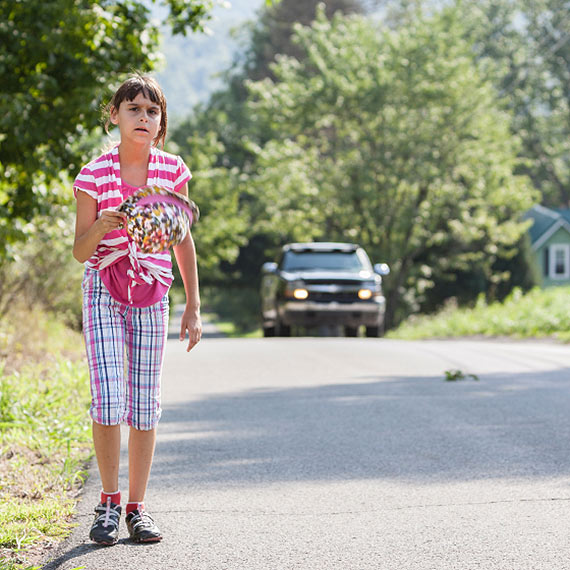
403 137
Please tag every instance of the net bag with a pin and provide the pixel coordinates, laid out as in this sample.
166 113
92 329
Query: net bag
158 218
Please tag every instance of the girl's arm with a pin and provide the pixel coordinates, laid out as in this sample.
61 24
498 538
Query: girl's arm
185 254
90 230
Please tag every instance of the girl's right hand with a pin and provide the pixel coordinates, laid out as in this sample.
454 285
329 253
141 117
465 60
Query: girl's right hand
110 220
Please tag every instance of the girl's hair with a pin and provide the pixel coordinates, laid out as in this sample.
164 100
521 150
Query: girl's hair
129 89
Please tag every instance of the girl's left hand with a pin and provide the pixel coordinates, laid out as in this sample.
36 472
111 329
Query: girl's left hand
192 323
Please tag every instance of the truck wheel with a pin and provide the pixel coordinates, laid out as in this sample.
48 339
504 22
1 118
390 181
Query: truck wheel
268 331
375 332
281 329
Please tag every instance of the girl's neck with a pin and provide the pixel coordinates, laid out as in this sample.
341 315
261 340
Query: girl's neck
134 164
133 156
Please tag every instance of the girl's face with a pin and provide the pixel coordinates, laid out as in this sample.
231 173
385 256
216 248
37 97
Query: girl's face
138 120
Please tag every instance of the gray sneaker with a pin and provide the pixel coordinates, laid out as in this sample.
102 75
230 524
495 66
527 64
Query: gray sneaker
142 527
105 529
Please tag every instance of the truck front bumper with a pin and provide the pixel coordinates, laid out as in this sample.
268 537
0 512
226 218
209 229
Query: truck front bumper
307 313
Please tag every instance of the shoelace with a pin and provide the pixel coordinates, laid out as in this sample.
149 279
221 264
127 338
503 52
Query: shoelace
142 519
107 513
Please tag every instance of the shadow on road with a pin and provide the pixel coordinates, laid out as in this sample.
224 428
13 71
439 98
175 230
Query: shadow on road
417 429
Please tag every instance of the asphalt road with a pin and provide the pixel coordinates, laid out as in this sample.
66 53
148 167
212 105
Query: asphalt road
333 453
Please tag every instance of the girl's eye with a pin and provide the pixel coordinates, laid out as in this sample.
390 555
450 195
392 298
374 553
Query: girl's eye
153 112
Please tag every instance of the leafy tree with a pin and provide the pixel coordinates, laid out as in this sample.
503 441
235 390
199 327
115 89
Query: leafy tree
529 42
56 64
227 119
222 227
271 35
392 138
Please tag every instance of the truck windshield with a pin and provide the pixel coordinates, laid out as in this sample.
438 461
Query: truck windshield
317 261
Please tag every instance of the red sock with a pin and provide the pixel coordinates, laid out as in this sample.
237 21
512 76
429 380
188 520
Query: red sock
134 507
115 497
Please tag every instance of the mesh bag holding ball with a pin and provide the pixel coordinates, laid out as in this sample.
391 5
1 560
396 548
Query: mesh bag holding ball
158 218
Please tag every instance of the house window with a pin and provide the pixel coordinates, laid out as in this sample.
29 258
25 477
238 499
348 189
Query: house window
559 261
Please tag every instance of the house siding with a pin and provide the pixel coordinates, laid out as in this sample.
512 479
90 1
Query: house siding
560 238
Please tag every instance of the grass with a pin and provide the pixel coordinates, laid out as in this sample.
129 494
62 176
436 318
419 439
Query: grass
44 434
235 310
540 313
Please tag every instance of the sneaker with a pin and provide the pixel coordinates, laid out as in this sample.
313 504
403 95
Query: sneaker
105 529
142 527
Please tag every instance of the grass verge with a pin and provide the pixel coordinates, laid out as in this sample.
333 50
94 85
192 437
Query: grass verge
44 435
540 313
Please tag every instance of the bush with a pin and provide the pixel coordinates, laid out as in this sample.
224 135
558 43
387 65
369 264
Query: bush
43 274
537 314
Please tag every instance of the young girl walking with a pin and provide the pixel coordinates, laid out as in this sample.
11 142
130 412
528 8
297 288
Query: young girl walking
125 301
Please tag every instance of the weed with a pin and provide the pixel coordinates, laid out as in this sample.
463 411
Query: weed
454 375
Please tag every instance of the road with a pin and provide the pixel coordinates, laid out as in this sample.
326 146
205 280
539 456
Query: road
350 454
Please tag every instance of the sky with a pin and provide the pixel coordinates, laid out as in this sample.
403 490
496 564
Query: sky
192 63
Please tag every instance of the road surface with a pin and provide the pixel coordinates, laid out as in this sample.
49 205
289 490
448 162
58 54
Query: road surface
350 454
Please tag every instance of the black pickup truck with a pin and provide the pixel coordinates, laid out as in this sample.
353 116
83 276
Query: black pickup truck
320 283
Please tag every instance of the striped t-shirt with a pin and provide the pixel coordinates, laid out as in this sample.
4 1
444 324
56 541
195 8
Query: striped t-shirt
132 277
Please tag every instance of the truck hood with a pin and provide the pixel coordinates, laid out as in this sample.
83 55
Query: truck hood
327 276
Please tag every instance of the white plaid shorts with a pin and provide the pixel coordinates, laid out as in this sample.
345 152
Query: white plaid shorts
123 394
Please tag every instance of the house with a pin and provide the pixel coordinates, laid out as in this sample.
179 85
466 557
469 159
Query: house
550 240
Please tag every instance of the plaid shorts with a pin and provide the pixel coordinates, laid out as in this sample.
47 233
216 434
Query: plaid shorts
112 330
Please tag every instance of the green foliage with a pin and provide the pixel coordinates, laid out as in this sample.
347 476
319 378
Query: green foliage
43 274
529 45
222 226
235 309
454 375
58 63
394 139
537 314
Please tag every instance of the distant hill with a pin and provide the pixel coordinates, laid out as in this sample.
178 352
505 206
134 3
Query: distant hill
188 74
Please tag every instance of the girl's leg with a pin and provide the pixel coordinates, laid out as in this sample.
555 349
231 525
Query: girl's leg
104 331
141 451
146 330
107 442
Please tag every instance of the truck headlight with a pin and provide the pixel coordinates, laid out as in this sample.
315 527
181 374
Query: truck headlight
300 294
365 294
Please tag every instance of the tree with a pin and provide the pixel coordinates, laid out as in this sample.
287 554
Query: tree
394 139
529 42
57 64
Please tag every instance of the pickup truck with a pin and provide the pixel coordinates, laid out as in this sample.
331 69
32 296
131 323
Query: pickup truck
323 283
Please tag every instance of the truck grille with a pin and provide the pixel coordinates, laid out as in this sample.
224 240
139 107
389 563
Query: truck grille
340 297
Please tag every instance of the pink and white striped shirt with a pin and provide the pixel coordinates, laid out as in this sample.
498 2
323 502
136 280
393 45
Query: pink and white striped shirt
132 277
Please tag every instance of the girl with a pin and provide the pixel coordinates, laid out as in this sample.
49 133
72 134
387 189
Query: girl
125 301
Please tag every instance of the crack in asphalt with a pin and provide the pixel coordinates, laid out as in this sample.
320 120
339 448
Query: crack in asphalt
352 512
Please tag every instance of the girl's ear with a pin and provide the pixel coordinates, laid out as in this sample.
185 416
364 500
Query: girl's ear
114 115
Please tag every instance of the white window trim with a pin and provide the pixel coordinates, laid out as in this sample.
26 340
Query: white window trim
565 248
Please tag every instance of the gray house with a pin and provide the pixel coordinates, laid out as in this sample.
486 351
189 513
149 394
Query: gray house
550 239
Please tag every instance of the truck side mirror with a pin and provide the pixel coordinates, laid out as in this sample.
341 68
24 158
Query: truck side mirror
382 269
269 267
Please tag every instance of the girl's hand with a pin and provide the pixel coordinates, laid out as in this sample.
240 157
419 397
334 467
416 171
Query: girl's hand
110 220
192 323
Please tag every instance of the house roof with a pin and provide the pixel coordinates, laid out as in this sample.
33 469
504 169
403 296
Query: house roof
546 221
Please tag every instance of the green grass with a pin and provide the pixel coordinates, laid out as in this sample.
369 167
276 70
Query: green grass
540 313
230 329
235 310
44 435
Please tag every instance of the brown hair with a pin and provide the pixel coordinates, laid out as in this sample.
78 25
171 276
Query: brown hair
149 87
